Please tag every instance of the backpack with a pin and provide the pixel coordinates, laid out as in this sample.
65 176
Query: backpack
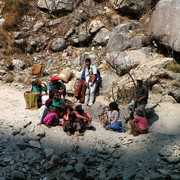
98 78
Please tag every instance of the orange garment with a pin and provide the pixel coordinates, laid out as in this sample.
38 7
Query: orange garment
80 91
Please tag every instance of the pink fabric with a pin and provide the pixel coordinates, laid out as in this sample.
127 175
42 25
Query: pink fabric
141 122
80 116
65 119
51 117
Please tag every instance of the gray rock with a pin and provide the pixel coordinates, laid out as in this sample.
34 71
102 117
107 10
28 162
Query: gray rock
18 35
125 27
70 32
156 176
128 174
81 36
95 26
69 168
175 94
175 176
20 43
23 146
139 42
7 159
127 141
18 175
16 131
48 153
26 123
117 153
64 161
102 174
80 170
39 132
131 7
35 144
172 159
157 88
2 72
48 165
121 62
58 44
92 161
103 156
101 37
55 159
38 26
164 27
56 6
117 42
18 64
33 136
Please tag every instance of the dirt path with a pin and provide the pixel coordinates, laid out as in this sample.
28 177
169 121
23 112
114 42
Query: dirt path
127 156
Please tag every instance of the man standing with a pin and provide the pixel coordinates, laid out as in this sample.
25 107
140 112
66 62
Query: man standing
140 98
91 78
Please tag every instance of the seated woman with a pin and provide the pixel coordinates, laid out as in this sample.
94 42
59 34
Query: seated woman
38 87
70 126
57 102
84 118
52 119
139 124
55 85
114 123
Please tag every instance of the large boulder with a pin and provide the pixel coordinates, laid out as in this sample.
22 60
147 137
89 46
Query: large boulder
118 42
101 37
122 62
135 8
175 94
164 24
56 6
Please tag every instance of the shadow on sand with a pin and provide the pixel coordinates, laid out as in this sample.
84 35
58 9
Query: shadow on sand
151 116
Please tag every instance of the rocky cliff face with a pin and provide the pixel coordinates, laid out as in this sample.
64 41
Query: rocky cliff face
119 35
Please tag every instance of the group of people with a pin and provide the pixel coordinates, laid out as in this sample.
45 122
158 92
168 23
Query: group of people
110 117
58 110
77 120
136 109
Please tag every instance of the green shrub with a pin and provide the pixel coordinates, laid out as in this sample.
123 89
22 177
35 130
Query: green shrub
174 67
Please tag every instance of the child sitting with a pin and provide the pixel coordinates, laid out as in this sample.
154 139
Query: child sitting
139 124
84 118
52 119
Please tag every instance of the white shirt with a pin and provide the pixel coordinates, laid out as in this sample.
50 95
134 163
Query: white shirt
93 69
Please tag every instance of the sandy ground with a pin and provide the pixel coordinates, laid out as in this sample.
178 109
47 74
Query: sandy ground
163 133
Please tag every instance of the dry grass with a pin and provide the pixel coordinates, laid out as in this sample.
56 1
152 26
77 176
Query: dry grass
6 41
13 11
174 67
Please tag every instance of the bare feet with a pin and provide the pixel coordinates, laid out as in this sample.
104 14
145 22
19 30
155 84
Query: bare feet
77 133
38 124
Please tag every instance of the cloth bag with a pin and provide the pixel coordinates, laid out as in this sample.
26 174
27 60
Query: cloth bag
31 100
